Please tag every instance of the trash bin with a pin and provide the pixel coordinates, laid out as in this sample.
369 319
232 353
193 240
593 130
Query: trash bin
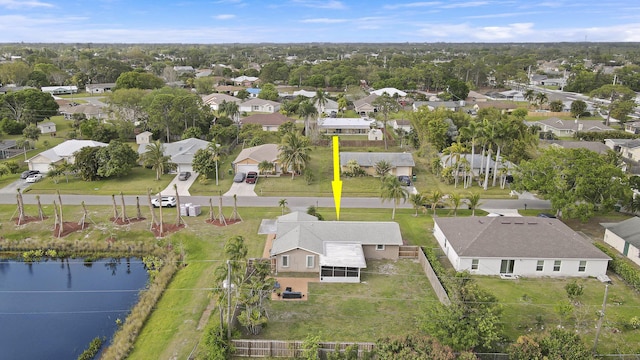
413 177
230 171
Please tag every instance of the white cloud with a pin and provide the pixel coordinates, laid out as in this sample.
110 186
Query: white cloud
465 4
321 4
224 16
16 4
323 21
413 5
501 15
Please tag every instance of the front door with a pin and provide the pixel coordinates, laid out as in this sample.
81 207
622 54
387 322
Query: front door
506 266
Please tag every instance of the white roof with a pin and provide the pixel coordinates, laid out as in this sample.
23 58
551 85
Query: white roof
341 254
389 91
345 123
67 149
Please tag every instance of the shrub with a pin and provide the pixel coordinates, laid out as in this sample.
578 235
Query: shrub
634 322
574 289
627 272
92 351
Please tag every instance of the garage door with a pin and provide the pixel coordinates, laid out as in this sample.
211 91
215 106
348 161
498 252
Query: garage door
43 168
245 168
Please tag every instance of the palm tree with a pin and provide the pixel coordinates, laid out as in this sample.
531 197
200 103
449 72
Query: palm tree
306 110
455 199
155 158
265 167
294 153
541 99
321 99
382 168
230 109
385 105
490 136
456 150
435 198
393 190
529 95
501 134
283 204
472 132
473 201
417 200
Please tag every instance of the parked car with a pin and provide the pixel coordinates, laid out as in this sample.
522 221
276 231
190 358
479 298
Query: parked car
167 201
405 180
252 177
239 177
28 173
34 178
547 215
184 175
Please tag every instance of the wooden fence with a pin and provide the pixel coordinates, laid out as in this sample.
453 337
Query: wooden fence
290 349
433 279
408 252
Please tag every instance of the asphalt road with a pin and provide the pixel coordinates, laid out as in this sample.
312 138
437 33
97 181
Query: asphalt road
295 203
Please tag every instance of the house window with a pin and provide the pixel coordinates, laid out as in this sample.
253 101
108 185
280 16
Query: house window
582 266
556 265
380 247
474 264
540 265
285 260
506 266
311 261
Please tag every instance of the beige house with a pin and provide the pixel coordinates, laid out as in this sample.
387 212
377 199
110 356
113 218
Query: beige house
216 99
631 150
259 105
334 250
249 158
64 152
401 163
269 122
365 105
625 237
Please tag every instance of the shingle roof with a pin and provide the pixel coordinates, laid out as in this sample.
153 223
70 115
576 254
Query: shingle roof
67 149
256 101
366 100
521 237
595 146
182 151
587 125
629 230
265 152
370 158
276 119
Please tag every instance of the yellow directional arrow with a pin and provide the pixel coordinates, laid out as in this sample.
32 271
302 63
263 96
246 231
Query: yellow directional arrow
336 184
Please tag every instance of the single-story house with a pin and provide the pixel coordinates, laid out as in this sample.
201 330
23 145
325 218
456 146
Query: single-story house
244 80
60 90
365 105
631 150
8 149
269 122
47 127
214 100
253 92
346 126
403 124
522 246
259 105
181 152
249 158
506 107
99 88
8 88
565 128
329 107
625 237
389 91
432 105
184 69
512 95
401 163
59 153
335 250
595 146
144 137
229 89
89 111
375 135
632 127
475 96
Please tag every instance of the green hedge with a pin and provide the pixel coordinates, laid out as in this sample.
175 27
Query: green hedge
625 270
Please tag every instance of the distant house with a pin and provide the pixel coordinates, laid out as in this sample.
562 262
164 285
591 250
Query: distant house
216 99
432 105
184 70
253 92
269 122
403 124
145 137
9 148
259 105
375 135
88 110
625 237
99 88
336 251
249 158
8 88
564 128
475 96
632 127
401 163
345 126
523 246
329 107
64 152
595 146
365 105
506 107
511 95
60 90
47 127
181 152
631 150
247 81
390 91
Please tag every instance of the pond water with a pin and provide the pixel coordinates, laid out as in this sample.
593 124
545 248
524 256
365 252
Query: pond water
53 309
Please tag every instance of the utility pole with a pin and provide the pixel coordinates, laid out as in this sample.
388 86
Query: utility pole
229 317
604 305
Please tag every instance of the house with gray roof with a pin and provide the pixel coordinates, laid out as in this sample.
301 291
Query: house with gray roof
249 158
432 105
632 127
564 128
216 99
100 88
64 152
522 246
624 237
336 251
595 146
346 126
365 105
259 105
181 152
401 163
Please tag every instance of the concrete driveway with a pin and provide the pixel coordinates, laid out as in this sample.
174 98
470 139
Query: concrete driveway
241 189
14 186
183 186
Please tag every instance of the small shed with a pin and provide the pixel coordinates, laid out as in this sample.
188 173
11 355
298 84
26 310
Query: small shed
144 138
47 127
375 134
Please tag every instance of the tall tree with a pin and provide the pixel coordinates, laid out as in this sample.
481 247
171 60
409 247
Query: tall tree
294 153
471 133
116 159
155 158
392 190
473 201
578 107
28 106
306 110
320 99
385 105
160 115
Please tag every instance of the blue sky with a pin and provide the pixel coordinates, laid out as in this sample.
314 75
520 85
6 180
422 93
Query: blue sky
282 21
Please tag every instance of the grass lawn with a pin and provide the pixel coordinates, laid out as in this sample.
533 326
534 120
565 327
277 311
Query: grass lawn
137 182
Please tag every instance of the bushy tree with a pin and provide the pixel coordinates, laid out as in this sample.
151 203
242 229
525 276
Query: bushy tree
138 80
116 159
28 106
86 163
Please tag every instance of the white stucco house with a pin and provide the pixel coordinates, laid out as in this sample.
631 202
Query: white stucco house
250 157
259 105
181 152
336 251
625 237
63 152
523 246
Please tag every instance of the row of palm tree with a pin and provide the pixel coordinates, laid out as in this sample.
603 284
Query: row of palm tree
536 98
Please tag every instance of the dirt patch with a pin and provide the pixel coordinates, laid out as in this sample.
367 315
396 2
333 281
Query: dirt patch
217 222
127 221
28 219
166 229
68 228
